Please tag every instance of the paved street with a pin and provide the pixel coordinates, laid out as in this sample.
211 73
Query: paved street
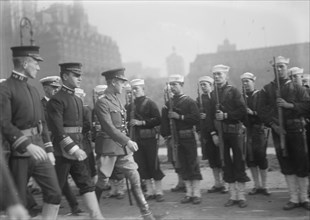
260 207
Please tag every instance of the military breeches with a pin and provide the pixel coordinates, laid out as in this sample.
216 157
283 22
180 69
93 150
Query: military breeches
79 172
107 165
23 168
213 153
234 169
147 159
297 162
188 157
259 156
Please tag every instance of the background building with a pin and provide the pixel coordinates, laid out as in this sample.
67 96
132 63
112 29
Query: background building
175 64
256 61
64 35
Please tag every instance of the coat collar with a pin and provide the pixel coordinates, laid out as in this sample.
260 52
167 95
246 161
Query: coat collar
113 98
67 90
19 76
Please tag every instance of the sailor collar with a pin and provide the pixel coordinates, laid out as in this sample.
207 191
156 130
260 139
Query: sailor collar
19 76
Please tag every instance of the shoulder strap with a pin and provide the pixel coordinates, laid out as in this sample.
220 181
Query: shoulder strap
225 92
145 101
182 99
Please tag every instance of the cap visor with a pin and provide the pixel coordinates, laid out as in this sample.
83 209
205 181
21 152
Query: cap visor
124 79
37 58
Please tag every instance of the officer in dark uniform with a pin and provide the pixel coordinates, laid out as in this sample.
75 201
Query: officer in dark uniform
51 85
9 199
87 139
143 117
186 115
256 138
295 104
112 143
66 120
209 150
229 109
24 127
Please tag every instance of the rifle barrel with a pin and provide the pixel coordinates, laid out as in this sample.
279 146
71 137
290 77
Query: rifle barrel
219 126
280 111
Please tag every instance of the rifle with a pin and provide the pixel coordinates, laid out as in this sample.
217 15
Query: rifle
201 111
132 116
219 126
248 129
280 111
174 136
157 146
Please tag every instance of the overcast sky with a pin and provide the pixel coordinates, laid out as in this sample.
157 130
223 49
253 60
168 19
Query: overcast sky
146 31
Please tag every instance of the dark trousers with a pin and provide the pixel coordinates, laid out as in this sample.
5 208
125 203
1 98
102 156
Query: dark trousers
70 197
78 171
297 162
23 168
308 140
234 169
259 147
213 153
188 157
147 159
91 164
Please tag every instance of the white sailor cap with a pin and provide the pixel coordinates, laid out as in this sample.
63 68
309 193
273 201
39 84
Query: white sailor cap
220 69
206 79
176 78
2 80
137 82
127 87
51 81
296 70
281 59
79 92
100 88
248 75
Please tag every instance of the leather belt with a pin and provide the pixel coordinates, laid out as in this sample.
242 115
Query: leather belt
189 133
73 129
258 126
30 131
292 121
232 128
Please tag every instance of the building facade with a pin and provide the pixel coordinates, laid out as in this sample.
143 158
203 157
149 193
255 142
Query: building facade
256 61
175 64
64 35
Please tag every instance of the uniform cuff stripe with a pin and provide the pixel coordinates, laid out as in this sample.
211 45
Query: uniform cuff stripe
19 141
65 142
48 144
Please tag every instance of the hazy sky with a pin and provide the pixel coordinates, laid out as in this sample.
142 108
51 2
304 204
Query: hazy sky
146 31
